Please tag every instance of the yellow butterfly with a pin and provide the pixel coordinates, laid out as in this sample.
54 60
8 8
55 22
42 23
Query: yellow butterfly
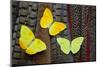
66 46
29 43
48 22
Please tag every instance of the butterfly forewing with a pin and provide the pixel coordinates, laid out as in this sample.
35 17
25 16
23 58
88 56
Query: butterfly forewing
26 36
47 19
64 45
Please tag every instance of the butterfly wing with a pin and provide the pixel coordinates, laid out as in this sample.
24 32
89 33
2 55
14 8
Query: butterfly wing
46 19
64 45
26 36
75 44
56 28
36 46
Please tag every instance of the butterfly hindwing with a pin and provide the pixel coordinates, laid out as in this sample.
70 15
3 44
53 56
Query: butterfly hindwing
46 19
64 45
26 36
56 28
76 44
36 46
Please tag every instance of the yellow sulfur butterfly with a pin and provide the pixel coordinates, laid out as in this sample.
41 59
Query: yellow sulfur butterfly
48 22
66 46
29 43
